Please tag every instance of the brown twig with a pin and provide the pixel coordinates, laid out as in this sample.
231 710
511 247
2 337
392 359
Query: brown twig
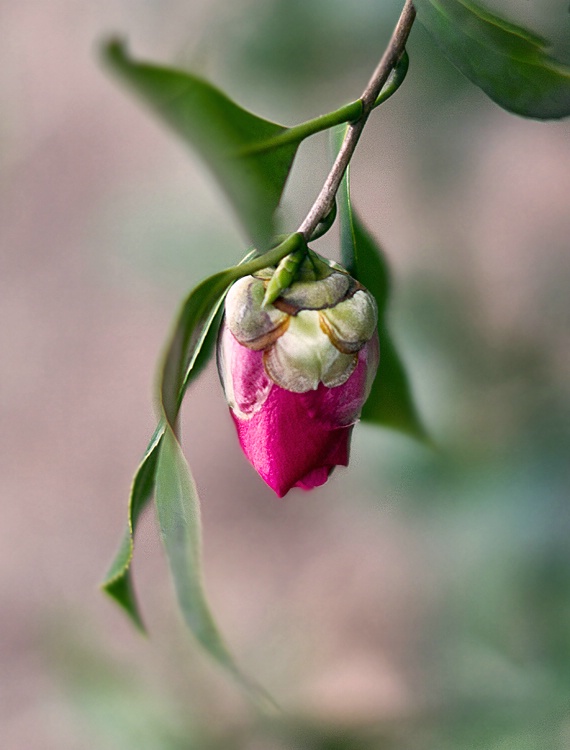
390 58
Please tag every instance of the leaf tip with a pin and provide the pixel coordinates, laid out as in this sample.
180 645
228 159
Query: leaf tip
121 591
113 50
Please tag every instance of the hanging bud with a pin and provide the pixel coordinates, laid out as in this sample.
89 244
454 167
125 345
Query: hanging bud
297 372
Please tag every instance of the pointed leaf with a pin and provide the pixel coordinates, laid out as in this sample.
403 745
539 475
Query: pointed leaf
118 583
177 500
506 61
179 518
221 131
193 322
178 509
190 348
390 403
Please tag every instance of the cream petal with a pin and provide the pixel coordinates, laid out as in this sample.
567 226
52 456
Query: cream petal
304 356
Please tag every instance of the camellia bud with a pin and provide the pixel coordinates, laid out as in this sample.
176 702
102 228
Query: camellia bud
297 372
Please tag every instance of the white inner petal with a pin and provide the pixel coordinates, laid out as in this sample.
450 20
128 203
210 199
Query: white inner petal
304 356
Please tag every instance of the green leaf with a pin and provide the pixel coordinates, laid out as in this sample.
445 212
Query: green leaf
390 403
178 509
191 346
193 322
177 502
118 582
222 132
509 63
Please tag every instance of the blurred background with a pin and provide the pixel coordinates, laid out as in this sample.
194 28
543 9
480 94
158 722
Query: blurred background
421 599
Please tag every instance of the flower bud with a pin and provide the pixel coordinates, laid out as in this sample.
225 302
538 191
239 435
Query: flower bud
297 372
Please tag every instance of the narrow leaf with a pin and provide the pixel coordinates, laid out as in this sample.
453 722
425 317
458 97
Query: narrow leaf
180 526
177 501
510 64
190 348
193 322
221 131
178 509
118 582
390 403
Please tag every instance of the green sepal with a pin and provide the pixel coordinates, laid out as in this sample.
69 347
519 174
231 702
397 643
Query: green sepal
284 274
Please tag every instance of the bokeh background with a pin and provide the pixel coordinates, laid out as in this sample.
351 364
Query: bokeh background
421 599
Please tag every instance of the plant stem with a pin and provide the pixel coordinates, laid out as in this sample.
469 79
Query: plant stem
394 51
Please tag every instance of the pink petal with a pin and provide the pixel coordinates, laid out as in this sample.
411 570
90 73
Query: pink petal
296 439
242 373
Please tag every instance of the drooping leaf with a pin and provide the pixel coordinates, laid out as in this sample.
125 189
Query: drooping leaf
510 64
390 403
221 131
178 509
193 322
177 501
190 348
118 581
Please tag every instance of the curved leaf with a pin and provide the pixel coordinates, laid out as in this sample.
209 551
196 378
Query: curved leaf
390 403
177 501
192 325
178 509
190 348
509 63
118 582
197 348
221 131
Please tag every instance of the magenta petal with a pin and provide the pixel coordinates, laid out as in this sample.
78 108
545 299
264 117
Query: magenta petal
296 439
287 446
314 478
243 375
